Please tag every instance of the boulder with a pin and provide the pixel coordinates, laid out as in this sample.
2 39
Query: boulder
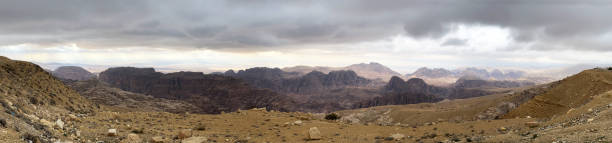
112 132
397 136
132 138
314 134
183 134
195 140
157 139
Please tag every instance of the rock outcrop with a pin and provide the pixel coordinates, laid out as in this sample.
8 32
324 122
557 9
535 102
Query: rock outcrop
314 82
315 91
398 92
212 93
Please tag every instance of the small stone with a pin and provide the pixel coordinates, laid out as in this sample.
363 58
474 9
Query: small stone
132 138
528 117
112 132
46 123
72 117
532 124
298 122
157 139
397 136
77 133
59 124
195 140
314 133
590 110
388 138
183 134
590 120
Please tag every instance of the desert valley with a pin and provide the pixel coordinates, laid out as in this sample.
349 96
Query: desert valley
127 104
305 71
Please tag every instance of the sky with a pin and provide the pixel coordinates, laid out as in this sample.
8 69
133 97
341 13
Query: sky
216 35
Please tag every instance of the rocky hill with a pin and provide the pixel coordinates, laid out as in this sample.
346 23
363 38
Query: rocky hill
568 94
33 100
212 93
399 92
72 73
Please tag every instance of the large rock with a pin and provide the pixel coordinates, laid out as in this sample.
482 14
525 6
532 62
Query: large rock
195 140
314 134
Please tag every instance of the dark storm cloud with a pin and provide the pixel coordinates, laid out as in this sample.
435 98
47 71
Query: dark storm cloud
564 24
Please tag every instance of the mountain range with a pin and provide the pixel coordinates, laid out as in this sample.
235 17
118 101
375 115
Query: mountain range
372 70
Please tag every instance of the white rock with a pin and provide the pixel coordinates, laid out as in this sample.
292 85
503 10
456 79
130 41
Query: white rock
590 120
298 122
314 133
398 136
112 132
59 123
195 140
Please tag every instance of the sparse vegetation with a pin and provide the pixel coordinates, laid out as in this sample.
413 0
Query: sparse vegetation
3 123
610 68
200 127
138 131
332 116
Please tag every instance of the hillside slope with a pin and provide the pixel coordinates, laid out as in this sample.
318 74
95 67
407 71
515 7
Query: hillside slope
31 99
571 92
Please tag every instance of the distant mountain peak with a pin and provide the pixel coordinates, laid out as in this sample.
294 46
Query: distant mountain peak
72 73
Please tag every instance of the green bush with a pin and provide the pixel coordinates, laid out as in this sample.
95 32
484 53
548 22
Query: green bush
332 116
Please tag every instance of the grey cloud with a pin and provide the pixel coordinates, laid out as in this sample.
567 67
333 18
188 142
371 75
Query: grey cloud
237 24
454 42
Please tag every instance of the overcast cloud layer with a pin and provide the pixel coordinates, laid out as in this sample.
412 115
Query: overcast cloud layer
402 33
